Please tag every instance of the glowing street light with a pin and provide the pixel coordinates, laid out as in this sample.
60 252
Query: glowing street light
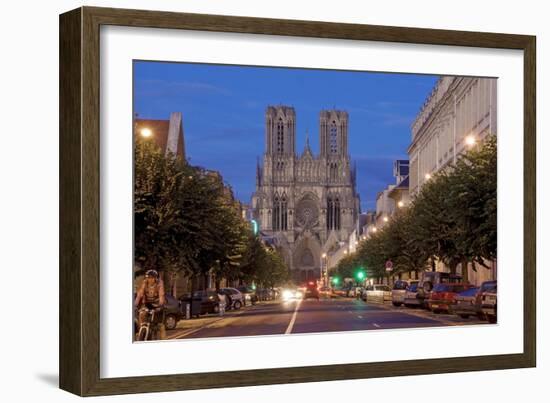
428 176
385 218
324 255
400 204
470 140
374 229
146 132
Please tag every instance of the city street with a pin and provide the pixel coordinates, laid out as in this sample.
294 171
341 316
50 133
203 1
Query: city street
312 316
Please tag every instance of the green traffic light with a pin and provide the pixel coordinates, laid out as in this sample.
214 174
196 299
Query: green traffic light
360 275
335 280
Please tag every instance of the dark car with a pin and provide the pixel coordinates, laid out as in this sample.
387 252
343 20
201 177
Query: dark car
311 291
173 313
443 296
250 296
466 304
265 294
208 300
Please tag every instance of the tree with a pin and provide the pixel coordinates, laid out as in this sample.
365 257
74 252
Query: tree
452 219
158 180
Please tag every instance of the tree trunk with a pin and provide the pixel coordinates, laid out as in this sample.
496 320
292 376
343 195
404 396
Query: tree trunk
452 266
465 274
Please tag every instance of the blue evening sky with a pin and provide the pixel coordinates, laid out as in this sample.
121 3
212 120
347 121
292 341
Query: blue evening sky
223 111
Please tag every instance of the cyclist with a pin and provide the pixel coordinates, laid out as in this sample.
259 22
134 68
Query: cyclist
151 293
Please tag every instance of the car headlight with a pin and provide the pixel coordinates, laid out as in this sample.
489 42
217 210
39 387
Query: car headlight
299 294
287 294
247 296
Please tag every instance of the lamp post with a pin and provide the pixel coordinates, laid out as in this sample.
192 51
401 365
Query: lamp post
324 270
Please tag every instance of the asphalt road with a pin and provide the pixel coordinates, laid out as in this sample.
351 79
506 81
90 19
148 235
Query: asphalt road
312 316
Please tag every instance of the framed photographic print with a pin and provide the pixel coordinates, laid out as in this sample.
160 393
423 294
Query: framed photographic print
258 201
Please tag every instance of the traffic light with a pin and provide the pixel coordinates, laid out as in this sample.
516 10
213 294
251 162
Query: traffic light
335 280
360 274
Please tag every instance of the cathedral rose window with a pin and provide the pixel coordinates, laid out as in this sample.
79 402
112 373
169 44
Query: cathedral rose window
307 214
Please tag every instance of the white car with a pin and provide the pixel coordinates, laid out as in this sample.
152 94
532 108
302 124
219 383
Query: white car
237 297
399 291
378 293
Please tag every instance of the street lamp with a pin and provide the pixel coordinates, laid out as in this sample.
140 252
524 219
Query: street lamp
385 218
146 132
324 269
374 229
428 176
400 204
470 140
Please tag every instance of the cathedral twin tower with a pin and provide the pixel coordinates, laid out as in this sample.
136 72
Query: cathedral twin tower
308 203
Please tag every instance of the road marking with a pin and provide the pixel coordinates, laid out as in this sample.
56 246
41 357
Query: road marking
293 319
376 325
189 332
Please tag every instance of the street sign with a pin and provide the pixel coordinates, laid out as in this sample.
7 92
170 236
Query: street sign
389 265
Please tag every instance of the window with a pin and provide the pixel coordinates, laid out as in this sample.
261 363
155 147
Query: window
284 215
280 214
333 138
333 213
276 214
280 136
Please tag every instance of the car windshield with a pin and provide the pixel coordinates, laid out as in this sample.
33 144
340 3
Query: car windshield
382 288
442 288
400 285
489 287
469 293
413 287
492 289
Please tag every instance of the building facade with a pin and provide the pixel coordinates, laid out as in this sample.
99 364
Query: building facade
307 202
459 112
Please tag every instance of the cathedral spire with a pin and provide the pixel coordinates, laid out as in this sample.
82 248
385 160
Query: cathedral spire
258 172
307 148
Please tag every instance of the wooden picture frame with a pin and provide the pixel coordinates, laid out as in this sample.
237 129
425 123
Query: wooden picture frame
80 199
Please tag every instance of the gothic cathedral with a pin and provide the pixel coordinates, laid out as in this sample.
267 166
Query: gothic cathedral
307 203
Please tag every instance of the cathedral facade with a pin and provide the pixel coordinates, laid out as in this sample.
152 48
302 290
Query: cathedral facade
306 202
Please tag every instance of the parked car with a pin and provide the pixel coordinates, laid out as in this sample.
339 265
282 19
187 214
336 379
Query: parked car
209 301
429 279
410 299
265 294
311 291
489 301
237 298
443 296
250 296
356 292
325 292
399 290
466 303
172 313
340 291
376 293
